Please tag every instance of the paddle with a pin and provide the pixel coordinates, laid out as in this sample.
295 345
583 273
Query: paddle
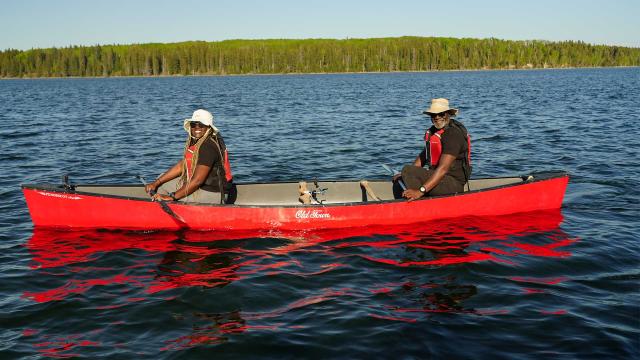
177 218
394 172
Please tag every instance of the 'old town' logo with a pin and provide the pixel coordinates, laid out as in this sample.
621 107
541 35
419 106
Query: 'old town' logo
312 214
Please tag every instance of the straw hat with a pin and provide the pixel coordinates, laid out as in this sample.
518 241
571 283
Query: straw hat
440 105
201 116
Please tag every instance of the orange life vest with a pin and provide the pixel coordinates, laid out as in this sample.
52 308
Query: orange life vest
222 148
226 165
188 157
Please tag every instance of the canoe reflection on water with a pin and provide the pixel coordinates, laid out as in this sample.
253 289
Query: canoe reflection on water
210 259
398 272
51 247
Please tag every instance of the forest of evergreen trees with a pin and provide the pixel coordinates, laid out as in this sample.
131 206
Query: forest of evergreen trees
309 56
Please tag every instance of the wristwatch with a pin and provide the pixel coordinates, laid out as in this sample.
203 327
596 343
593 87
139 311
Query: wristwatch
422 189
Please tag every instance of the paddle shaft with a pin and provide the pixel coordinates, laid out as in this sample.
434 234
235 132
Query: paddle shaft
177 218
393 172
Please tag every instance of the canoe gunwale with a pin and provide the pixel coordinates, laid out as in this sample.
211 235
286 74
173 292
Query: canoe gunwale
58 188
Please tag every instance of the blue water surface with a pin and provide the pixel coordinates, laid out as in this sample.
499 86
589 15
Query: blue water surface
560 284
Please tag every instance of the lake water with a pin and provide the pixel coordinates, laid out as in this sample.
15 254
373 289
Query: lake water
559 285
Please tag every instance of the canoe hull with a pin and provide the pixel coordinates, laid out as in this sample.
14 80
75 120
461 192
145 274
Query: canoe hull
51 207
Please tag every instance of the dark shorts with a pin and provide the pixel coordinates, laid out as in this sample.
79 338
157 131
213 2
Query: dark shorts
414 177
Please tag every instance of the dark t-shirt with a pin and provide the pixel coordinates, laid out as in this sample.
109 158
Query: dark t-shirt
454 143
209 155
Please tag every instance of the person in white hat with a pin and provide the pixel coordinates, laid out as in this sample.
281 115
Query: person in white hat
204 172
447 156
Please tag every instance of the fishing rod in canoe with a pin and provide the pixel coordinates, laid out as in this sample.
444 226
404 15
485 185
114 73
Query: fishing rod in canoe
318 191
306 195
393 173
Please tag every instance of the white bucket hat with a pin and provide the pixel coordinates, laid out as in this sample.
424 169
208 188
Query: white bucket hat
201 116
440 105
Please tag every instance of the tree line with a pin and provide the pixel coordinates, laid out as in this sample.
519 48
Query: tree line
309 56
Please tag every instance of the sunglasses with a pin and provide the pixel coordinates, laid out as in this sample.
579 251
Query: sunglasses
435 116
195 124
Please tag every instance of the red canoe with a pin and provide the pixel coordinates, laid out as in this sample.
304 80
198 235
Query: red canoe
264 206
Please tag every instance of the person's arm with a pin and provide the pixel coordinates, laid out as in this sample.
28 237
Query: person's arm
453 142
200 175
207 157
168 175
421 159
446 160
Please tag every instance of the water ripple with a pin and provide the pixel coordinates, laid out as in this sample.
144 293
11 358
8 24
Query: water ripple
557 284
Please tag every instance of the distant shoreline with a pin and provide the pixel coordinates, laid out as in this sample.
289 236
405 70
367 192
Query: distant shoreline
309 56
309 73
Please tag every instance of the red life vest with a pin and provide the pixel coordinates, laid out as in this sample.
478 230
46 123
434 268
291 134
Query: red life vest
434 147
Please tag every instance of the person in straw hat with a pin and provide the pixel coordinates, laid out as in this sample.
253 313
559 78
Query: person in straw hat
446 156
204 173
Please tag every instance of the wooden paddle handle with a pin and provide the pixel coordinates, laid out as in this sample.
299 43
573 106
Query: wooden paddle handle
305 196
369 190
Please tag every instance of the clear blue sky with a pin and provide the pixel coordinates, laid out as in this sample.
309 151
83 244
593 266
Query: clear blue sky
26 24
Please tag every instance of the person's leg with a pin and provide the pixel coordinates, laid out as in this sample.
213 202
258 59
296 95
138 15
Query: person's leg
169 186
199 195
203 196
415 176
448 185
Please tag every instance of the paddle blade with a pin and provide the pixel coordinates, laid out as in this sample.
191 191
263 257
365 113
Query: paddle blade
390 170
394 172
